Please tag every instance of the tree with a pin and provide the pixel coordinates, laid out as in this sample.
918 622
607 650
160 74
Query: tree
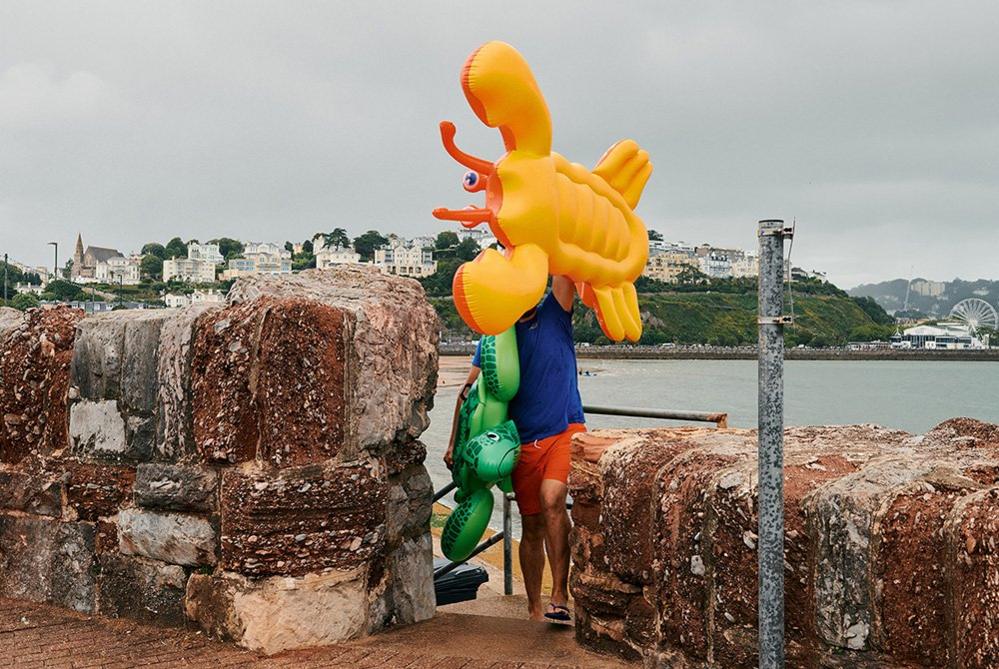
366 244
337 238
445 240
229 248
655 236
307 246
151 266
64 291
24 301
289 247
691 276
176 248
467 249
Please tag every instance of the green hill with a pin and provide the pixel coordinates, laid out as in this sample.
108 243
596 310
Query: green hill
724 314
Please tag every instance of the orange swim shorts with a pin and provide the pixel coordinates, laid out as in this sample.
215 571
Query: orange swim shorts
542 459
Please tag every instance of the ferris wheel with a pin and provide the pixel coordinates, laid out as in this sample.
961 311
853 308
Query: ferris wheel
976 314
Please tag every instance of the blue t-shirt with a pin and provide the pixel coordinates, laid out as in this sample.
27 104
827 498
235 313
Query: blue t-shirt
548 399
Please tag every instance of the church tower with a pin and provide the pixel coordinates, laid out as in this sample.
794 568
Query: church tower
77 257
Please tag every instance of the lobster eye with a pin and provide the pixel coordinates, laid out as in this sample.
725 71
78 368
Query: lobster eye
470 180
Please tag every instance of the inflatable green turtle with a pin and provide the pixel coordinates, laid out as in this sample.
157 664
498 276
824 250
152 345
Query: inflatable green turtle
486 445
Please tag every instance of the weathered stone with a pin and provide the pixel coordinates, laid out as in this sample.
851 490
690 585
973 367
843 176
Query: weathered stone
35 491
176 487
175 538
115 378
141 589
408 596
34 381
305 519
409 505
95 491
399 380
225 371
972 534
97 430
910 555
841 515
174 430
47 561
280 613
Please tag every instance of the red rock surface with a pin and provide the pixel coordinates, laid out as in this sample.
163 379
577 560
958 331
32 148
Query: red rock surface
885 561
34 380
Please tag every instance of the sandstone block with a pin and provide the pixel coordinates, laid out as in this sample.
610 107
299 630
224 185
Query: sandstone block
972 533
410 505
174 487
174 429
408 596
95 491
392 334
47 561
305 519
280 613
34 380
841 515
141 589
175 538
37 492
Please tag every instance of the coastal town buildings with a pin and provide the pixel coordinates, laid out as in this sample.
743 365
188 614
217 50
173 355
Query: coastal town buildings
259 258
942 336
189 270
119 270
405 258
668 266
210 296
85 262
206 252
331 256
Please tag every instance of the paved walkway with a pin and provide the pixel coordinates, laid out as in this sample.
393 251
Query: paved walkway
40 636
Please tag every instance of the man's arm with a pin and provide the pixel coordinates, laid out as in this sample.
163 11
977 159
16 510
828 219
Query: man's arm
564 291
473 374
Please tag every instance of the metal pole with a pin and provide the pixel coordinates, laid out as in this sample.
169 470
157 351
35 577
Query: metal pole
771 444
5 278
507 545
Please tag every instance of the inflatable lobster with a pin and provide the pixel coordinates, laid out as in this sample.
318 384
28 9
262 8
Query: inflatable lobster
550 215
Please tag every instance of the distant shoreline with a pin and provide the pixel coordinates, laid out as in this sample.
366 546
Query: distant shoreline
631 352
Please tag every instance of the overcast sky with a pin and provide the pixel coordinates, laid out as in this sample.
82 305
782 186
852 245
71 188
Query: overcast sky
875 124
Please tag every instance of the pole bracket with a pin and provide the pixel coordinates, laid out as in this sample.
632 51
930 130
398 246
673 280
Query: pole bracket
786 232
775 320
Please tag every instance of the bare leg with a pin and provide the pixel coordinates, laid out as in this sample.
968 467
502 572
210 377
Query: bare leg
556 519
532 562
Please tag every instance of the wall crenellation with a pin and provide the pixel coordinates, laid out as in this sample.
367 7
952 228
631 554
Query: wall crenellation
215 465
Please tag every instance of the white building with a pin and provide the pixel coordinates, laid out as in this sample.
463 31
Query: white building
406 260
748 266
258 263
266 249
208 252
942 336
177 301
189 270
667 266
330 256
716 265
119 270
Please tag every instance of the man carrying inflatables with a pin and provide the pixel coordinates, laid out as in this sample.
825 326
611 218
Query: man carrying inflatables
547 411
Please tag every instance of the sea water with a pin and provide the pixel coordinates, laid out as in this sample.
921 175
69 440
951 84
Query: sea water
910 395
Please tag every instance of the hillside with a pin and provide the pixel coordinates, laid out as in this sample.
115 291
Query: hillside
932 298
824 316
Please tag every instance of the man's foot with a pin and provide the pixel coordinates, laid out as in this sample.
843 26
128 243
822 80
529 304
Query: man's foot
558 613
536 616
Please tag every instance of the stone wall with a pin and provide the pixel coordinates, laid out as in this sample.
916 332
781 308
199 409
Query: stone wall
252 468
892 546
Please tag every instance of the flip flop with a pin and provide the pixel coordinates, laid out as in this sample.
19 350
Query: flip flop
560 613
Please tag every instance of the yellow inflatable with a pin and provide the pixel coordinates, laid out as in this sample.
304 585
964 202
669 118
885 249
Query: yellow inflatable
551 216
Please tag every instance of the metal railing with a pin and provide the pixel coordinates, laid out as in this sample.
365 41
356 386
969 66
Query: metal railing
506 535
